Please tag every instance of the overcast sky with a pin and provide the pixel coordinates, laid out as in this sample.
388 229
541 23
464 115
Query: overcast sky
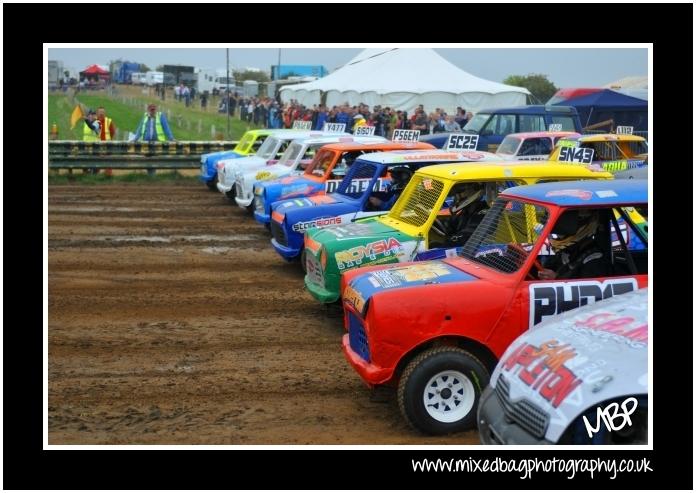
565 67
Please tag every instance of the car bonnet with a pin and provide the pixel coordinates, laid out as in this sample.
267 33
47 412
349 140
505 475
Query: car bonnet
579 359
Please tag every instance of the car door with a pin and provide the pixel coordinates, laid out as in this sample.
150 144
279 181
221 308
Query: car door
542 299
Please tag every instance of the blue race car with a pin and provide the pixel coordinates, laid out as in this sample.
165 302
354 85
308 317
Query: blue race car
248 145
370 187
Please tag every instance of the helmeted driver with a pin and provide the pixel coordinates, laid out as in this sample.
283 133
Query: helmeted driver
400 176
578 254
466 212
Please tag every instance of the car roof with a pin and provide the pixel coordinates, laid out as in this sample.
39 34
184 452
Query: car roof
608 138
532 109
583 193
387 145
291 134
331 138
260 132
529 135
414 156
509 170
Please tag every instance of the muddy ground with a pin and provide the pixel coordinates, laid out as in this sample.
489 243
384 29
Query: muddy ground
173 321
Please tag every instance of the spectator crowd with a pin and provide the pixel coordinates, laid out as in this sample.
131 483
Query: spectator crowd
270 113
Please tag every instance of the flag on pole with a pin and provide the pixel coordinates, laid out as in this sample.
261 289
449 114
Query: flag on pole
76 115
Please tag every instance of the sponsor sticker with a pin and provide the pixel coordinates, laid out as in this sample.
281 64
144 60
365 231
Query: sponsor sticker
581 194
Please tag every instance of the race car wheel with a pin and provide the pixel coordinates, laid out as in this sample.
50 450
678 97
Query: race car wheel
231 194
439 390
211 184
250 208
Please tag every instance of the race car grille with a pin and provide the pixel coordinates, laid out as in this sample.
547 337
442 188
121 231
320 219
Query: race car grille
357 336
526 414
278 233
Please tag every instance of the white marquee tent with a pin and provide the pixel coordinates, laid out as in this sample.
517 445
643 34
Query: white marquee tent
403 78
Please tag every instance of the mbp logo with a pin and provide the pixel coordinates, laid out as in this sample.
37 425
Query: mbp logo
549 299
610 414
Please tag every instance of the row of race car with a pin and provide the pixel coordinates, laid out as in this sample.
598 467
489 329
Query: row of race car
473 235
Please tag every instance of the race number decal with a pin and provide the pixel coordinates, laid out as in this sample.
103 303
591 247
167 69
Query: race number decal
334 127
549 299
462 142
364 131
626 130
581 155
406 135
555 127
301 125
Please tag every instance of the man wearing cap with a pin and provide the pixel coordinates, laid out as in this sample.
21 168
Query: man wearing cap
91 128
153 127
358 121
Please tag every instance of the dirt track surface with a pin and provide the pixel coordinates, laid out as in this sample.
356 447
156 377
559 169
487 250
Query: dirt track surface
173 321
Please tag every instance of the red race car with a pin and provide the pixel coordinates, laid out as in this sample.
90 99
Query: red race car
437 329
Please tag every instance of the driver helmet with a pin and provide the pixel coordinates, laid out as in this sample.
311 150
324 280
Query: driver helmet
340 169
400 177
466 195
573 226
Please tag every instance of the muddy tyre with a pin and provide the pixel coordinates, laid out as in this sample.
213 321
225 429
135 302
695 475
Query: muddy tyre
303 260
212 184
440 389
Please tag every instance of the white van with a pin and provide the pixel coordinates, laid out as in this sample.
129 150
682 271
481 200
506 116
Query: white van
153 78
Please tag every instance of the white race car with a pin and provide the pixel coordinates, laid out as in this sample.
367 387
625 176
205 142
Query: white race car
269 152
293 162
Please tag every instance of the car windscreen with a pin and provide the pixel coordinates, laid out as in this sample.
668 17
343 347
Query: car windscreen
291 154
477 122
267 149
357 179
320 163
506 235
418 201
509 145
244 144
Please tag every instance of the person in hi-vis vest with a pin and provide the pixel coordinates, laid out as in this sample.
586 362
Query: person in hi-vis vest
153 127
108 130
90 127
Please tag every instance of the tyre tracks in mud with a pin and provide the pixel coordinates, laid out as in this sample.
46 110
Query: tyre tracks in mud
173 321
